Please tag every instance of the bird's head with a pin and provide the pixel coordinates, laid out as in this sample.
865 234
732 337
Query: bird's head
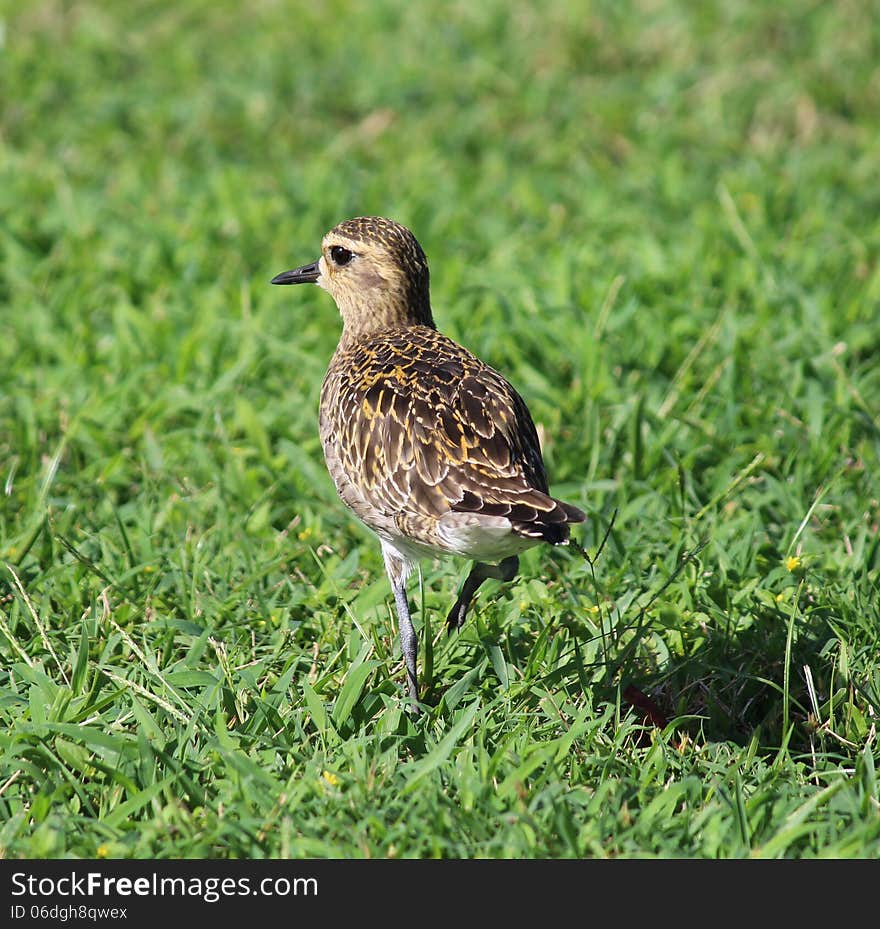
375 270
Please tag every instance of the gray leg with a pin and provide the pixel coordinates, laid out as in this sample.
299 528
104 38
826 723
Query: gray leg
505 571
398 568
409 644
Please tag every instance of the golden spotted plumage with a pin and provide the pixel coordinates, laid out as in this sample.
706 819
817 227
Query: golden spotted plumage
416 426
429 446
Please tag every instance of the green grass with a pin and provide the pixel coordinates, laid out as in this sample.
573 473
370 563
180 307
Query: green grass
659 220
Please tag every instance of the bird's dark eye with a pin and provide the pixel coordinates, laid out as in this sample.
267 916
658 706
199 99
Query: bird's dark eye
340 255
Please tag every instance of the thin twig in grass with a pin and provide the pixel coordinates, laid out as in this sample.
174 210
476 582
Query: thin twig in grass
637 626
123 591
686 559
591 561
38 622
843 741
83 560
10 780
125 682
28 543
584 553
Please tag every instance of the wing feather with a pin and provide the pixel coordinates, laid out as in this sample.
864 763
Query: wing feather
421 428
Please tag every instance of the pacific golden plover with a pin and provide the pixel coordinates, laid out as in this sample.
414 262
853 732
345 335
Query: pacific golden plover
431 448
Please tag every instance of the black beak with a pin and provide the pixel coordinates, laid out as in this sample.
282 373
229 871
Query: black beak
307 274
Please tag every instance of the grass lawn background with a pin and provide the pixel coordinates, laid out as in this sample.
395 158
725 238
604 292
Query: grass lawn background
660 220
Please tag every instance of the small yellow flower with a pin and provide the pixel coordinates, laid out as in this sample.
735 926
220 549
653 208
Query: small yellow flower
102 851
302 536
331 778
792 563
779 597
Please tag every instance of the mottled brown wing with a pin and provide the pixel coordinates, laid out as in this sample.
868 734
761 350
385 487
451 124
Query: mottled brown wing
423 427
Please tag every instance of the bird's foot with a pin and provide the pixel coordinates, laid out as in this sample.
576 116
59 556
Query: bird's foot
457 615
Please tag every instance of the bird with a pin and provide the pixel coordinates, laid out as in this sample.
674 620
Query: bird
430 447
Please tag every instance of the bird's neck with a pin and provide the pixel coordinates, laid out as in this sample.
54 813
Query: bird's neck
363 321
